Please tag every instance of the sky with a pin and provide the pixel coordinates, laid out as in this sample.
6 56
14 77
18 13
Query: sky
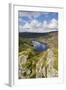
33 21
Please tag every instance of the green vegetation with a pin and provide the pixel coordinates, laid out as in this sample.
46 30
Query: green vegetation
32 62
56 58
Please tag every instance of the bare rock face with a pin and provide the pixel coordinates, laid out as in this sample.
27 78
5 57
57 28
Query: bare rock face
50 62
39 68
22 61
43 68
51 72
45 65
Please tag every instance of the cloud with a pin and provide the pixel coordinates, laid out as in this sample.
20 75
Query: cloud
45 24
30 21
21 22
53 24
36 26
30 27
33 24
31 15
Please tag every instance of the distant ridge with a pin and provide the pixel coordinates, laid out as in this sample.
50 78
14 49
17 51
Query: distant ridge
34 34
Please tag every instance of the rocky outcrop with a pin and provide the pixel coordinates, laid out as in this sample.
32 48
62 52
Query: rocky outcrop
43 67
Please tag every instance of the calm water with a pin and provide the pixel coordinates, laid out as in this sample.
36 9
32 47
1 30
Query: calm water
40 46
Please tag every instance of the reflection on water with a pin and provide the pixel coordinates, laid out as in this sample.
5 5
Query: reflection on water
40 46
